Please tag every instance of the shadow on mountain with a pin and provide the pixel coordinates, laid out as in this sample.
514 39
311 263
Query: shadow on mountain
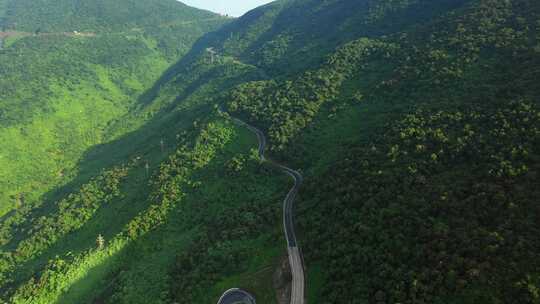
183 64
144 142
177 225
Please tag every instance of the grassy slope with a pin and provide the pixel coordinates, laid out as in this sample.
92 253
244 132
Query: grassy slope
147 264
144 263
77 115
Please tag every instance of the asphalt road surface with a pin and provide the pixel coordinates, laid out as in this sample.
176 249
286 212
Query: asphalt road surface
236 295
295 255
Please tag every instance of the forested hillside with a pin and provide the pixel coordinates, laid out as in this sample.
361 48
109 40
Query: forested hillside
98 15
415 123
432 198
68 69
286 37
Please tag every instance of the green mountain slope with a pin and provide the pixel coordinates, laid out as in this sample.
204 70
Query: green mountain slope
434 207
102 16
415 123
289 36
3 8
59 90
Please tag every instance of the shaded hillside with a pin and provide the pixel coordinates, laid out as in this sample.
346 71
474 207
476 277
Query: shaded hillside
288 36
425 140
471 69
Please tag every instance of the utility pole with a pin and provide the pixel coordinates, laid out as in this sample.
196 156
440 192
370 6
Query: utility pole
212 54
147 167
162 144
19 199
100 242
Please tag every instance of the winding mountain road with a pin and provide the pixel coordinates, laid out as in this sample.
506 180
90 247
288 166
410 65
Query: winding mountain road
295 255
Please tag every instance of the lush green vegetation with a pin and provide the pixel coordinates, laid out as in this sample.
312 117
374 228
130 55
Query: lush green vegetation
288 107
60 92
415 123
434 210
100 16
186 202
432 207
288 37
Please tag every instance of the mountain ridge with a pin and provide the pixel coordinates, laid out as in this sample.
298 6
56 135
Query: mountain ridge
70 15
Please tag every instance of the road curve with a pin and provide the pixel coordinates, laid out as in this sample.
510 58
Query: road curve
295 255
236 295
